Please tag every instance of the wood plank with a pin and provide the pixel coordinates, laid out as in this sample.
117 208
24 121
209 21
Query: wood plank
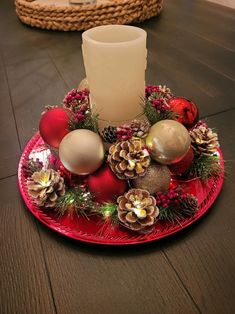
71 68
218 11
34 84
24 282
217 58
27 41
10 150
187 77
112 280
211 26
204 255
32 43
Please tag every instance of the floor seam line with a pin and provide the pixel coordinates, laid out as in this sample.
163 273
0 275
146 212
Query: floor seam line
197 60
7 177
204 38
217 113
46 267
11 101
58 71
181 281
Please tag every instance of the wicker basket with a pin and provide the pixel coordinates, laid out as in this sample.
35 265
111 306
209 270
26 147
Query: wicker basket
61 15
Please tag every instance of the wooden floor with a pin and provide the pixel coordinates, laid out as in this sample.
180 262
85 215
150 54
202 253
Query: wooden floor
191 49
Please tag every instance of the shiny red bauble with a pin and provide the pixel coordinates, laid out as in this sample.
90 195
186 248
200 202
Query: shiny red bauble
105 186
183 165
186 109
54 125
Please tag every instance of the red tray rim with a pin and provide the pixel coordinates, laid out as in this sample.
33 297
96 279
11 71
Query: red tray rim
53 224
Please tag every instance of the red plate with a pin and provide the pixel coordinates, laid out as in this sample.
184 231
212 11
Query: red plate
94 231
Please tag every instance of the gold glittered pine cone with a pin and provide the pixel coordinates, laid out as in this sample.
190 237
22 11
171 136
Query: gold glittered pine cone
204 141
165 92
45 187
140 128
137 209
129 159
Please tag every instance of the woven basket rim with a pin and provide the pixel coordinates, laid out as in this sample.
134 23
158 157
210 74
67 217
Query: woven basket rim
83 17
78 7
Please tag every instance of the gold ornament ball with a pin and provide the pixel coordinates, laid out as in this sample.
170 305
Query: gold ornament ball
169 141
156 179
83 85
81 152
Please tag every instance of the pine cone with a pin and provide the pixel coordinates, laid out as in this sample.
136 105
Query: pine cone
190 203
165 92
204 140
140 128
158 91
137 209
109 134
45 187
129 159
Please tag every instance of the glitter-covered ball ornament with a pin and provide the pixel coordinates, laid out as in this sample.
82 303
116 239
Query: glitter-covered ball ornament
105 186
183 165
157 178
168 141
186 109
54 125
81 152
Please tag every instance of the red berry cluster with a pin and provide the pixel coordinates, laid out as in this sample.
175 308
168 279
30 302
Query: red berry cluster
75 99
172 197
32 166
158 97
124 133
80 114
160 105
150 89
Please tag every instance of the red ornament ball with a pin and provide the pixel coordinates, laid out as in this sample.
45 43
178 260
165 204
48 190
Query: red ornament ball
54 125
183 165
186 109
105 186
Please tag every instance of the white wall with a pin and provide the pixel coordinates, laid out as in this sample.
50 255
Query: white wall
227 3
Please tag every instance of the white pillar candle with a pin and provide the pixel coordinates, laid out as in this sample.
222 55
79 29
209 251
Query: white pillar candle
115 62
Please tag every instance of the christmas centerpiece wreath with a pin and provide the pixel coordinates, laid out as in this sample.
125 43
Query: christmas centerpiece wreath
128 184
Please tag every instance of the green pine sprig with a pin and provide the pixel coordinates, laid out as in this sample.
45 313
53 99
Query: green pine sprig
176 213
154 115
79 201
90 123
108 209
76 201
205 167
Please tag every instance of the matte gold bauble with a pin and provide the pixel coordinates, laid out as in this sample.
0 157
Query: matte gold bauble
169 141
156 179
83 85
81 151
